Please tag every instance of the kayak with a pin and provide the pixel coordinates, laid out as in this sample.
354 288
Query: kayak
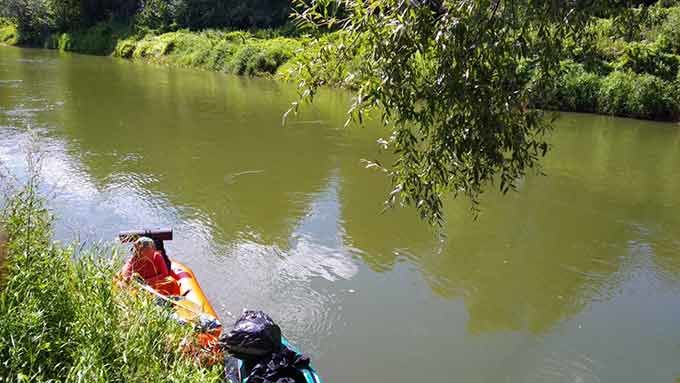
234 369
191 306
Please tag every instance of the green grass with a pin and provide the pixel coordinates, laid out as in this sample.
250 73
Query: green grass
229 52
62 320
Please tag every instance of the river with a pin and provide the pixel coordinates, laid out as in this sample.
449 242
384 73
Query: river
573 278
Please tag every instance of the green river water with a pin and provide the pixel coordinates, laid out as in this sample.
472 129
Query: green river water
574 278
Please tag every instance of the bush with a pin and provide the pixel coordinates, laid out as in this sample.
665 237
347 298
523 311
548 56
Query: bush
99 39
578 89
637 95
158 16
33 19
241 63
62 320
232 52
572 89
8 33
125 48
648 58
669 32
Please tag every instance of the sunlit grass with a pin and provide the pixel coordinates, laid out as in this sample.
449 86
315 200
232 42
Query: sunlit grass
63 320
230 52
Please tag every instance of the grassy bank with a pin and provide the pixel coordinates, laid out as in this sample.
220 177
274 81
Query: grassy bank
61 319
629 66
239 53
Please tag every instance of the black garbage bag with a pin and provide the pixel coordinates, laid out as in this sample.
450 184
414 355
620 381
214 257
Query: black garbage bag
255 335
256 341
281 367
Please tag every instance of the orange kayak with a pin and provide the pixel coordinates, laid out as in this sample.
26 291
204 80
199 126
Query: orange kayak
193 307
192 296
190 305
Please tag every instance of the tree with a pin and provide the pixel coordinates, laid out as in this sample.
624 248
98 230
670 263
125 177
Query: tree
450 79
33 18
66 13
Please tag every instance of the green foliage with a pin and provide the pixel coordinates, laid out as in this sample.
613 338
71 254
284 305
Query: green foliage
669 31
201 14
62 320
33 18
577 90
648 58
99 39
125 48
446 79
66 14
231 52
8 33
158 16
638 95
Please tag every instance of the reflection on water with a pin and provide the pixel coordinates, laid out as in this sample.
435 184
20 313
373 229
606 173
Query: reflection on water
573 278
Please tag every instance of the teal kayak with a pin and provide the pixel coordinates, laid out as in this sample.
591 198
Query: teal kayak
235 370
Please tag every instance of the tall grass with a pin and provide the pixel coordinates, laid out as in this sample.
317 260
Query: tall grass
62 319
231 52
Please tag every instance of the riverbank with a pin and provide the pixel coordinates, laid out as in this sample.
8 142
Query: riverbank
61 318
628 66
240 53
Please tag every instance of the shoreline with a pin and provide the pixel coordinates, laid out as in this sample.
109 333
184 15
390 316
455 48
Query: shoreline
619 92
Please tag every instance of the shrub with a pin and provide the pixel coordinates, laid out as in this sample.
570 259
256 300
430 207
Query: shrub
219 54
158 16
33 19
8 34
648 58
615 93
637 95
572 89
125 48
669 31
60 41
578 89
652 98
99 39
241 63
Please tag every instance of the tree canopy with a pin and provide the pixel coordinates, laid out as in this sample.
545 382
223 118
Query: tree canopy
450 81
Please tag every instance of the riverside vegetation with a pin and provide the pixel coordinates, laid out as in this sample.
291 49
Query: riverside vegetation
627 66
63 320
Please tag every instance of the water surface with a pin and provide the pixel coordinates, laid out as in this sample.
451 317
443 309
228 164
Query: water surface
574 278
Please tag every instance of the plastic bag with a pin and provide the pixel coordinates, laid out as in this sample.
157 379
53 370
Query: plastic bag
283 366
256 341
255 335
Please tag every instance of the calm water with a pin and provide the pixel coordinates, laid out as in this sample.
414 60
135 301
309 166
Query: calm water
575 278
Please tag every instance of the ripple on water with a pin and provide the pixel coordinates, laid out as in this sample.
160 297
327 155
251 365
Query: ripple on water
568 367
292 285
13 84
